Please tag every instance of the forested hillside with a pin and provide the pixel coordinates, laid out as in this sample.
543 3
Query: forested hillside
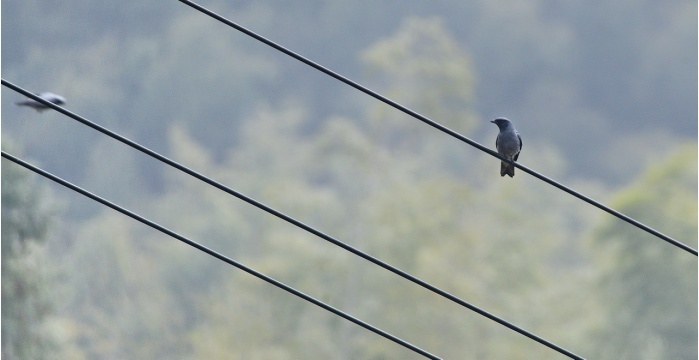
603 93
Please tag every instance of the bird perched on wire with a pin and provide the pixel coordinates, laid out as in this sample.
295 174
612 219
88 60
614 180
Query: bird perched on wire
508 143
50 97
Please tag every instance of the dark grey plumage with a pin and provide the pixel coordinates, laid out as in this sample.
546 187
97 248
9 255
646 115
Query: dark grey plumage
508 143
50 97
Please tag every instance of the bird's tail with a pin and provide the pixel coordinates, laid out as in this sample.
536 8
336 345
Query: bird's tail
34 105
507 169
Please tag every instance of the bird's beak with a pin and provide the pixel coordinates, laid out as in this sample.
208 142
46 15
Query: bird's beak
492 121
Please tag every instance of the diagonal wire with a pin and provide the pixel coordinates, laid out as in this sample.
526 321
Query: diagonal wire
217 255
438 126
293 221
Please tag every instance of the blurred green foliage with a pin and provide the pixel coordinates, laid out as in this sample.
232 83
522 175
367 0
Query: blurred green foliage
26 298
648 299
370 176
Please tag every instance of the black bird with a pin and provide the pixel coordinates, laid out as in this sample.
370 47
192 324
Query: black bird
508 143
50 97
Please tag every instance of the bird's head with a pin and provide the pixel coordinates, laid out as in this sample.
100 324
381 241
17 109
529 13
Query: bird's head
502 123
51 97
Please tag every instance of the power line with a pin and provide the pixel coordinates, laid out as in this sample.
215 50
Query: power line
436 125
293 221
217 255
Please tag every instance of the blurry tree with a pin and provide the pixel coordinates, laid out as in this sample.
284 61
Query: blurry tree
118 304
408 210
421 66
650 286
26 295
364 173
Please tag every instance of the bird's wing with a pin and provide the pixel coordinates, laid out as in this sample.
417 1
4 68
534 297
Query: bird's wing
496 141
520 141
520 147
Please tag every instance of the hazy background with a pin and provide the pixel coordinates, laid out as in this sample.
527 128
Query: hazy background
604 94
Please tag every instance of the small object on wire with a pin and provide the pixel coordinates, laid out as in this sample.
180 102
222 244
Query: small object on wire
39 106
509 144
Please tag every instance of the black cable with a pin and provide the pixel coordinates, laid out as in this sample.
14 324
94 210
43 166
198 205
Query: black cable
218 255
437 125
293 221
